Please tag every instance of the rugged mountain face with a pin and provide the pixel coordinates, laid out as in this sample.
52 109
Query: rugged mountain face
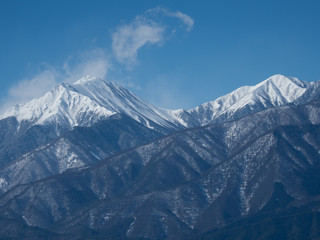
275 91
90 99
37 139
293 223
192 180
79 147
252 154
84 103
35 124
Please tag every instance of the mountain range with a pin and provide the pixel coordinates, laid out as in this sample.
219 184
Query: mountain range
91 160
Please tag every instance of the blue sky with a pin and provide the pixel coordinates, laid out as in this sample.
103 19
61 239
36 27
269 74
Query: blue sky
174 54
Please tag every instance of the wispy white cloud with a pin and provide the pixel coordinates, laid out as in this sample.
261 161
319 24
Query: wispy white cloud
95 63
186 19
165 91
30 88
129 38
150 28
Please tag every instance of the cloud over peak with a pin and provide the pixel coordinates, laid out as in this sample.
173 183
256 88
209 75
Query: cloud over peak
151 28
94 62
129 38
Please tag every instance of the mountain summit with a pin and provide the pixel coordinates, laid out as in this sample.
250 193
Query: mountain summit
84 103
92 160
275 91
91 99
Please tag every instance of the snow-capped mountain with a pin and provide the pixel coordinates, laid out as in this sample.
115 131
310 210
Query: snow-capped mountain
275 91
31 127
186 183
90 99
91 159
84 103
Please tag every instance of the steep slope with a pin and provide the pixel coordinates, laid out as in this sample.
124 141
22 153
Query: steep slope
79 147
260 155
30 134
294 223
90 99
192 180
16 140
62 107
121 100
34 124
278 90
84 103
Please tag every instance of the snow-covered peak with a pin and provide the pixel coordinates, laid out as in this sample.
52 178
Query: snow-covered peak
91 99
275 91
85 79
86 101
119 99
286 89
282 81
61 106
